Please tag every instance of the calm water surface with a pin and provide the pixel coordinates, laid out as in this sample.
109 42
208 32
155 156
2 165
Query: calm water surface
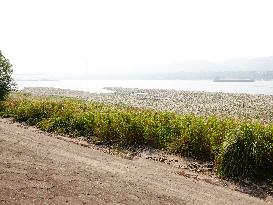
96 86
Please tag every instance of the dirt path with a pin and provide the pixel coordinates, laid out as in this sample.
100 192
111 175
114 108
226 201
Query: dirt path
39 169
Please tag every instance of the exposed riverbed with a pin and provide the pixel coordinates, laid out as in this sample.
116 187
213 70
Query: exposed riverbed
240 106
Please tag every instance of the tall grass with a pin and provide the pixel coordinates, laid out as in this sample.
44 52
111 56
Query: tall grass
247 152
240 149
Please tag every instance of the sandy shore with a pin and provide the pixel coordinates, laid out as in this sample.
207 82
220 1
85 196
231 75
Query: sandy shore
240 106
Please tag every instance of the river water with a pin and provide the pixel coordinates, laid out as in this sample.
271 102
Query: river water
96 86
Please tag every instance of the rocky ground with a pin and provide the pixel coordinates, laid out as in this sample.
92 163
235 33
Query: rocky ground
240 106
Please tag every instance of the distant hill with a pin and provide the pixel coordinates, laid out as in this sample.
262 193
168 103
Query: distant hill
257 68
256 64
239 64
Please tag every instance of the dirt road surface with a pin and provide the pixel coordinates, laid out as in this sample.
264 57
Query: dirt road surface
36 168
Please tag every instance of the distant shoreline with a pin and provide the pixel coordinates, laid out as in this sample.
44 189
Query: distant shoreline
234 80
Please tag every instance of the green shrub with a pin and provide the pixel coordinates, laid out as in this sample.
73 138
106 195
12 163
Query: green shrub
31 111
84 125
159 129
216 131
59 122
247 152
194 140
121 127
68 117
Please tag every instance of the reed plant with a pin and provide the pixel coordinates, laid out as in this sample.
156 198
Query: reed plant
247 152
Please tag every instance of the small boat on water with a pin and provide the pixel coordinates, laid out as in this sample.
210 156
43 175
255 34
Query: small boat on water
232 80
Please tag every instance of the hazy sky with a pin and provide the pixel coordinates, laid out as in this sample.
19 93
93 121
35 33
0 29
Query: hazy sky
62 35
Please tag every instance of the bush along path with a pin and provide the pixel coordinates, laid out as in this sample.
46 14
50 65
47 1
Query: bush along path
239 149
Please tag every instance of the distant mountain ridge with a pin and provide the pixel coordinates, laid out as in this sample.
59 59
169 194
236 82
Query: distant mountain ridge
256 68
255 64
239 64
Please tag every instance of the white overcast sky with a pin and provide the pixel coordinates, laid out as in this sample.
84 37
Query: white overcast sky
62 35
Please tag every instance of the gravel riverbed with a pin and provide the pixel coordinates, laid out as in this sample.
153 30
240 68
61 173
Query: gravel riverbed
239 106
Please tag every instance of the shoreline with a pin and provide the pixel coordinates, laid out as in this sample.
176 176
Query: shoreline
253 107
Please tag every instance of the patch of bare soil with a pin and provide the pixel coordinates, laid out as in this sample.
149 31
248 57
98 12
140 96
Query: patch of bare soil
37 168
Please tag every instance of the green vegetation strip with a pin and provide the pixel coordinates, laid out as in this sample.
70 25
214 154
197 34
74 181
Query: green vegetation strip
240 149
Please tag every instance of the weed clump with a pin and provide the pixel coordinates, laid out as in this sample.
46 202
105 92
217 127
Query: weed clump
247 152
